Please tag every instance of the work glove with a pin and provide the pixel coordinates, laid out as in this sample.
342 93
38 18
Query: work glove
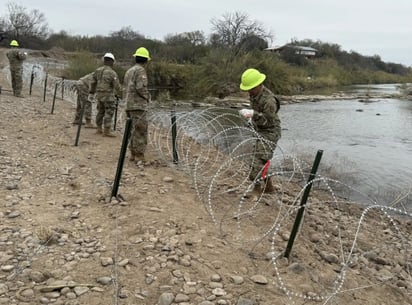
246 113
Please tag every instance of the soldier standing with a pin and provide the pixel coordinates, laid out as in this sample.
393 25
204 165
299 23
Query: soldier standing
16 58
265 121
137 98
84 99
106 85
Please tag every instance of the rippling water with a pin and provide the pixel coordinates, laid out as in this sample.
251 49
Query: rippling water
371 141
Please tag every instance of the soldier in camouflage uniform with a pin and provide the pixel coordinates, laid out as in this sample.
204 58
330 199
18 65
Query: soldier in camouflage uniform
105 84
16 58
137 98
265 121
84 99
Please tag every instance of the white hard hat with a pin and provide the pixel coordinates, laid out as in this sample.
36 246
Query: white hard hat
108 55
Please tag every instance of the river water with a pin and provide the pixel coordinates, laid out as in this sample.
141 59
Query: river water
369 143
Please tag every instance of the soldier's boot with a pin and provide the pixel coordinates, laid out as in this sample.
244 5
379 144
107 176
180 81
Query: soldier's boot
139 157
257 189
268 186
132 157
108 133
99 130
89 124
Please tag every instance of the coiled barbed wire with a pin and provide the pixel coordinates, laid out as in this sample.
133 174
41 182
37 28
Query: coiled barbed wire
215 147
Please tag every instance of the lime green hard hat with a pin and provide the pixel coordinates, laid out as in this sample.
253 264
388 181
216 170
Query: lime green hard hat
251 78
142 52
14 43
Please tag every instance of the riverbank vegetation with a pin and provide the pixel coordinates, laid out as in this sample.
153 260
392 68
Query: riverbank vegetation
195 65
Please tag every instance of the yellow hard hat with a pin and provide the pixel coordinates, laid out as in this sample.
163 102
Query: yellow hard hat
14 43
251 78
142 52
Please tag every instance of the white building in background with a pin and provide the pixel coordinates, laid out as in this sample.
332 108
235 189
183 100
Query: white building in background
299 50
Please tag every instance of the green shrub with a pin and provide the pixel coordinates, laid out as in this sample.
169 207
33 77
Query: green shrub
81 64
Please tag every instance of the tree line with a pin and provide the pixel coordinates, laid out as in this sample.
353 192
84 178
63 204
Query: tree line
194 64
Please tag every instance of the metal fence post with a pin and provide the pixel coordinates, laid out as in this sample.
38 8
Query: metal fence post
303 201
63 88
31 80
54 97
45 87
76 142
174 136
122 155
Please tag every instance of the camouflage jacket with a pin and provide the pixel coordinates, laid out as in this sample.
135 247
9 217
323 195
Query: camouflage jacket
105 83
265 108
83 84
135 88
16 58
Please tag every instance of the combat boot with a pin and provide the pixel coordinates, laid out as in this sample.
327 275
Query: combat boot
139 156
132 157
107 133
268 186
257 189
89 124
99 130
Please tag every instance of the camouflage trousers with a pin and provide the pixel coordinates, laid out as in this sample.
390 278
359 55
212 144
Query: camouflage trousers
263 151
16 80
83 101
138 137
105 112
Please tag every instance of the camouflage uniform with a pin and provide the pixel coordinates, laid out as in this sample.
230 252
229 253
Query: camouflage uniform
105 84
137 98
16 58
267 123
83 87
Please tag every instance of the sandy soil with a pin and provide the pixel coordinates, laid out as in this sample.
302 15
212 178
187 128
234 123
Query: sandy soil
63 241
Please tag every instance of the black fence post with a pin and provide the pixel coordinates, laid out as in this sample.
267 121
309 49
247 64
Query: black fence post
115 113
122 156
54 97
62 88
76 142
303 201
31 80
45 87
174 136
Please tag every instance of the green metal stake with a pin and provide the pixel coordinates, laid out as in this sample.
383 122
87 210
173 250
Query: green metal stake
62 88
122 155
76 142
45 87
115 113
174 135
54 98
31 80
303 201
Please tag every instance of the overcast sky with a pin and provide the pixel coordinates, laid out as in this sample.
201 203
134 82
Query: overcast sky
368 27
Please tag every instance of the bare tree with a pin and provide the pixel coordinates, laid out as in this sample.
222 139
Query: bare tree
194 38
127 33
19 22
233 28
